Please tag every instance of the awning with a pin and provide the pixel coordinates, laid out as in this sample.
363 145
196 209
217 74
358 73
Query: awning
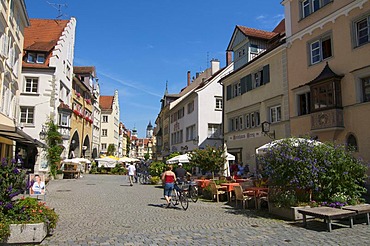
16 134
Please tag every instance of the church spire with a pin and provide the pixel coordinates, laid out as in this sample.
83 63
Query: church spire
166 91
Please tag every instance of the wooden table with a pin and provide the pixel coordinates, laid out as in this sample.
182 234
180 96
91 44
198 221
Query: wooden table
230 188
256 190
328 214
241 180
360 209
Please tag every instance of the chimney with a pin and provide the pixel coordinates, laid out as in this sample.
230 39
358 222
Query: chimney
215 66
188 78
229 57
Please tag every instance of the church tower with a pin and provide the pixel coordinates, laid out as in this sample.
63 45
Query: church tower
149 130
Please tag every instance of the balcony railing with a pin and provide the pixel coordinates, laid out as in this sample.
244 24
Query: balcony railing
332 118
65 131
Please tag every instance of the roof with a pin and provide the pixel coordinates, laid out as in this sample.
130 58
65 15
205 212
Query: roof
280 28
256 33
325 74
42 36
82 70
106 102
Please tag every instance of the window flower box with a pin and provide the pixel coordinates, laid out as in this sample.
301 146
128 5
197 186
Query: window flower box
76 112
88 101
78 94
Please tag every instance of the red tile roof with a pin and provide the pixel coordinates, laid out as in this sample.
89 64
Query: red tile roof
251 32
280 28
106 102
80 70
42 35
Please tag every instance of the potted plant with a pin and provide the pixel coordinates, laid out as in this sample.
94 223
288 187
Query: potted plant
302 173
59 174
22 220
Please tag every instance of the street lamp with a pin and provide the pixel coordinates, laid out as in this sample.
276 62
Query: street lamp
43 133
266 130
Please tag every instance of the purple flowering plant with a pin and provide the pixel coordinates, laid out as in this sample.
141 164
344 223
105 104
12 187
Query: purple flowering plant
307 171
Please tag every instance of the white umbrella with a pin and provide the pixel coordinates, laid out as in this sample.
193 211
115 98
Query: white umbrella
127 159
297 141
106 162
179 159
228 157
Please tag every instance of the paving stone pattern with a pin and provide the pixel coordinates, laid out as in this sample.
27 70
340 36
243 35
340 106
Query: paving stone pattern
105 210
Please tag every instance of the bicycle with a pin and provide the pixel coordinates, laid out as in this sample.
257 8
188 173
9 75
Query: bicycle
193 191
144 178
180 195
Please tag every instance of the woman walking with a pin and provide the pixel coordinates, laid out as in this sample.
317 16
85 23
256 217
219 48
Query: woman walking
168 179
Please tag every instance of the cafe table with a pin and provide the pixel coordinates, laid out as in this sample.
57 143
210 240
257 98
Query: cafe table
230 188
202 183
241 180
256 192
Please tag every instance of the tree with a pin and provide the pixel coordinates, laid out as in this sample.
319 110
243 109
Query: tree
209 159
111 149
53 140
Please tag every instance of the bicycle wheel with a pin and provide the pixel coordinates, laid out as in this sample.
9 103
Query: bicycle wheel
174 198
142 179
193 193
184 200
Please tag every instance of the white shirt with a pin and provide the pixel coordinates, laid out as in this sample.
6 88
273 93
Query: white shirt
131 170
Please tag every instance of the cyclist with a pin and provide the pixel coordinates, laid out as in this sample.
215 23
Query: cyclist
168 179
181 174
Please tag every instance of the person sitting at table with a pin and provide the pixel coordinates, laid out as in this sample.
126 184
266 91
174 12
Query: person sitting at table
240 171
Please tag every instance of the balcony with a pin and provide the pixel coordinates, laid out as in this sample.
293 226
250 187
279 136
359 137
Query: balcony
327 119
65 132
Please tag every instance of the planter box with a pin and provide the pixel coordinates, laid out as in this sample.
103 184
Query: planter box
59 176
287 213
27 233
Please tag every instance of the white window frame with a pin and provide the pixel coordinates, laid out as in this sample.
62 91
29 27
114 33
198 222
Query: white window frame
317 51
104 132
214 130
31 81
275 114
365 30
64 120
105 118
218 103
28 111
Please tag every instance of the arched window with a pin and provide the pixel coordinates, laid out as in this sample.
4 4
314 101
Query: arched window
352 143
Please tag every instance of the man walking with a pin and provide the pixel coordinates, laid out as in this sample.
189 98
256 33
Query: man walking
131 173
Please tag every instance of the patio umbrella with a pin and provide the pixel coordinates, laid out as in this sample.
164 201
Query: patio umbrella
127 159
106 162
297 141
179 159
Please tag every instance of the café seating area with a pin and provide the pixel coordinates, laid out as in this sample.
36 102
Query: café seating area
251 192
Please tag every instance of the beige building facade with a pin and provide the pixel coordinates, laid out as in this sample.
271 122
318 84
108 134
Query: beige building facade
255 92
328 47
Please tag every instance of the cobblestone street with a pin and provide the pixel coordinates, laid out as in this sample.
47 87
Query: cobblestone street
105 210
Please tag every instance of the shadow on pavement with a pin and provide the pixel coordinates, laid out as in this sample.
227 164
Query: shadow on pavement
163 206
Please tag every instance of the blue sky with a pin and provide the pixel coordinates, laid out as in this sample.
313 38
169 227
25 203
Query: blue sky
138 45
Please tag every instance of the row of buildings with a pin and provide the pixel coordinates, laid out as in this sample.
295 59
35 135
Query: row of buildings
38 83
310 76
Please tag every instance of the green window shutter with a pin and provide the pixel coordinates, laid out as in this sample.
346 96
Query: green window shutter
266 74
228 92
249 82
243 85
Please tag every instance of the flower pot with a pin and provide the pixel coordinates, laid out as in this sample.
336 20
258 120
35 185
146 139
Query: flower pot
27 233
59 176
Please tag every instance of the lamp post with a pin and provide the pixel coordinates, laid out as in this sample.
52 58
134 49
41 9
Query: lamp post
266 130
43 133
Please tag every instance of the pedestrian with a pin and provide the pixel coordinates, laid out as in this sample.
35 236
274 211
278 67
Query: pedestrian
131 173
38 186
168 179
181 173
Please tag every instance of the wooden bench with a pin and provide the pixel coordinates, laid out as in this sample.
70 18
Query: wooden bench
360 209
328 214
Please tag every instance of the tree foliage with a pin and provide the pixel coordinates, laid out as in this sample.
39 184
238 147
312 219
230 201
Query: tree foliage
111 149
54 142
210 159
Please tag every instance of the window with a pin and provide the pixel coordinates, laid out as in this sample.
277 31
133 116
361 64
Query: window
214 130
241 125
352 143
104 146
190 133
247 121
180 113
104 132
323 96
27 115
366 89
218 103
304 102
31 85
190 107
362 31
320 49
63 120
275 114
310 6
35 58
105 118
252 120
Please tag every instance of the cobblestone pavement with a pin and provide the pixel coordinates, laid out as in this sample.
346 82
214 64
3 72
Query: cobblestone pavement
105 210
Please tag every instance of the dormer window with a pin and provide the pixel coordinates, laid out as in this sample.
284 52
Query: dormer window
36 58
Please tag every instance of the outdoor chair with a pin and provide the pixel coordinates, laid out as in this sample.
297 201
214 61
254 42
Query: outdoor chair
262 197
239 196
217 190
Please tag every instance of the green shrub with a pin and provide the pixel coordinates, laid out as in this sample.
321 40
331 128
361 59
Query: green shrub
154 180
157 168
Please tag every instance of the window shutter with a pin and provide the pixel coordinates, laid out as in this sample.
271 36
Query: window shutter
228 92
266 74
249 82
243 85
